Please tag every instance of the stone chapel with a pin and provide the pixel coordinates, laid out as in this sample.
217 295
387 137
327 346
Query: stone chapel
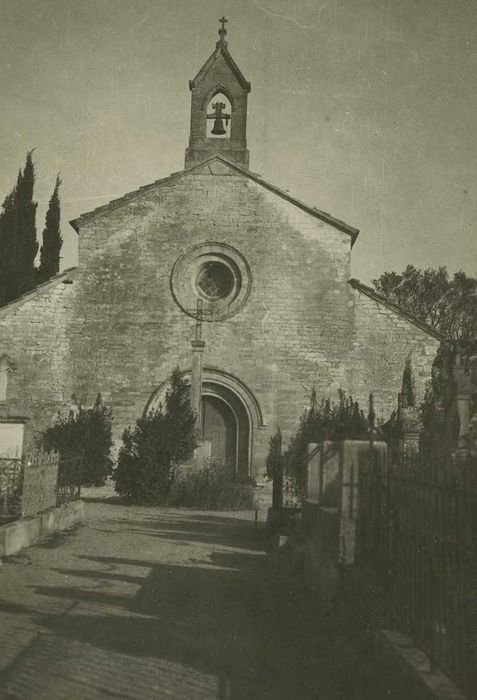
218 271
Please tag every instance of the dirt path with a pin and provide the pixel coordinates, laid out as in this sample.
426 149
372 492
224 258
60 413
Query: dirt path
146 603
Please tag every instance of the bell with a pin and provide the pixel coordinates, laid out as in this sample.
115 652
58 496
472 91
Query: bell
218 129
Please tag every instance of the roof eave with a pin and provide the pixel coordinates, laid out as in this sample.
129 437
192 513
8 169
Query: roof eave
318 213
373 294
115 203
52 282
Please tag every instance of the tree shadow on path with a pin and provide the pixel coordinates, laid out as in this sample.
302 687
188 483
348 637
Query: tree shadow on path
227 612
244 629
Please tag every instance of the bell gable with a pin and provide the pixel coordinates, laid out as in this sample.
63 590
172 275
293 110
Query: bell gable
219 94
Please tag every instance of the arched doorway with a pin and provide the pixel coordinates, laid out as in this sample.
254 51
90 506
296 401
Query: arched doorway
233 415
225 422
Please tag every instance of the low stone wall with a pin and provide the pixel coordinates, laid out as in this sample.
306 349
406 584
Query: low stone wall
409 669
330 511
321 526
28 531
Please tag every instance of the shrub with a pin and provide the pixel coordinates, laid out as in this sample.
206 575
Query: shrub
159 442
408 395
212 488
324 421
86 433
438 409
275 467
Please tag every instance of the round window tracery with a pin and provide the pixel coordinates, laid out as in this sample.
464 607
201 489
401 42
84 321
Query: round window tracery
215 280
211 281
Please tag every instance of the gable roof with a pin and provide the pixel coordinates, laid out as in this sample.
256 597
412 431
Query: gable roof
373 294
116 203
66 277
221 49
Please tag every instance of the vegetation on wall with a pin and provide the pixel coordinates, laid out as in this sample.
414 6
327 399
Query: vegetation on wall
158 444
18 240
86 433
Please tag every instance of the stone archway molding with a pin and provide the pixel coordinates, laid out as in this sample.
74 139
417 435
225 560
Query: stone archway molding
216 90
213 375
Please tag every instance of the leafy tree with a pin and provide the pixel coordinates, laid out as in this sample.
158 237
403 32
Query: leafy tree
86 433
52 240
159 443
448 304
438 409
18 244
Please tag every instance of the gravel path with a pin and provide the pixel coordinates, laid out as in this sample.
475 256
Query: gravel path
143 603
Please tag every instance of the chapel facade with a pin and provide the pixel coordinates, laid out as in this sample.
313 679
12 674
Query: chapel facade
216 270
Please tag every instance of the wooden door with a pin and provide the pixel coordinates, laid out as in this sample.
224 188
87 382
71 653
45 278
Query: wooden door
220 427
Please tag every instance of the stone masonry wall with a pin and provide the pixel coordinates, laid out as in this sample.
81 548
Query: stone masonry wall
118 330
382 339
301 326
34 334
133 332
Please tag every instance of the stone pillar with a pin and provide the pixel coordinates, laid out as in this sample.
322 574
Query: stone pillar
313 472
466 389
411 430
198 347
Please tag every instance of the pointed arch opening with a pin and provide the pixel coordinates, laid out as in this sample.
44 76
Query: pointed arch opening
219 116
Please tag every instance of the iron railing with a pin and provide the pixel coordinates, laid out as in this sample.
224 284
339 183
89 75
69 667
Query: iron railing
40 476
11 482
69 479
417 530
36 482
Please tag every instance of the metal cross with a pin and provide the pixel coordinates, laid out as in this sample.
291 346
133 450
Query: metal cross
222 30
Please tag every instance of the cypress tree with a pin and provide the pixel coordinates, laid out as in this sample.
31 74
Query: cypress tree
408 391
52 240
7 250
27 246
18 244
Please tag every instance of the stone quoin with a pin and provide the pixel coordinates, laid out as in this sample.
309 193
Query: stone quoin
218 255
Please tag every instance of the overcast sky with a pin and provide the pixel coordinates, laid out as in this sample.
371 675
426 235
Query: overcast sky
366 109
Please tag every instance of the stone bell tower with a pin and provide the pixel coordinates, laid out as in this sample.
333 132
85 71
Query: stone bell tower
218 124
